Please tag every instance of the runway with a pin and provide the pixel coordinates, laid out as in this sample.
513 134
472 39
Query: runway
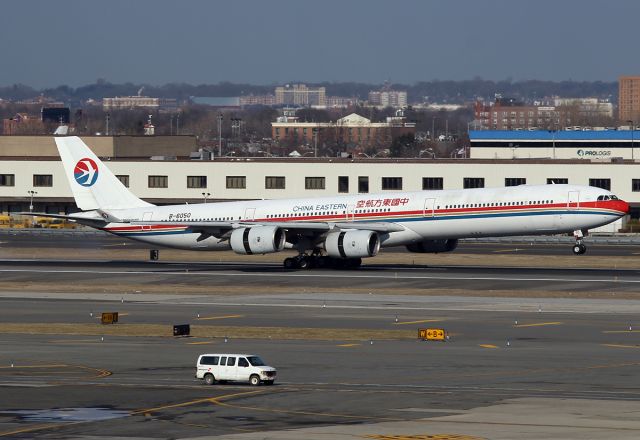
481 280
532 351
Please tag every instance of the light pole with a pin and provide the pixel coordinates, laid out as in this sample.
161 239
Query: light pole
220 135
433 129
178 124
205 195
632 130
32 193
315 142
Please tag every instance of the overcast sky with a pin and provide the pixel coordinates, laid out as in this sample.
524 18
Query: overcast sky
75 42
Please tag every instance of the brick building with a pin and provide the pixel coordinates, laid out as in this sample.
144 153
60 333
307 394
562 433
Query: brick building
629 99
509 114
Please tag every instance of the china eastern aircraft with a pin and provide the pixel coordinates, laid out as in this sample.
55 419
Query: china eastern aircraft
333 231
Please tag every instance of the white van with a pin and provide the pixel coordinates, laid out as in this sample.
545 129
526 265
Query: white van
234 367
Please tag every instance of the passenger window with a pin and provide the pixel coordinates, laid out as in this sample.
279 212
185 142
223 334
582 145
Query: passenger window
223 360
231 362
209 360
242 362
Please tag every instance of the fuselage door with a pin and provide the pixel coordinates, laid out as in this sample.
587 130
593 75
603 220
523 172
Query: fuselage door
573 200
350 212
146 217
429 207
250 214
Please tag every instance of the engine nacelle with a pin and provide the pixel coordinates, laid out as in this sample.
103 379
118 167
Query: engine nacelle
257 240
352 244
433 246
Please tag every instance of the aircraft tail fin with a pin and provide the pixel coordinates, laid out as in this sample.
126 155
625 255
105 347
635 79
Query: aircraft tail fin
94 186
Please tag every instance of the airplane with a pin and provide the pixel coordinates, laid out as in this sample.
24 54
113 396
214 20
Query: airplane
336 231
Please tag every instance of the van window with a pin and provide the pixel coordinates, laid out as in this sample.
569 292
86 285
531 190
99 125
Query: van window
231 362
209 360
223 360
256 361
242 362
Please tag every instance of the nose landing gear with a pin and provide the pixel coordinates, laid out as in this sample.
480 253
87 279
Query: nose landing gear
579 248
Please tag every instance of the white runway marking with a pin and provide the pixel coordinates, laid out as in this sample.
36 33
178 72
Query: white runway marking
325 275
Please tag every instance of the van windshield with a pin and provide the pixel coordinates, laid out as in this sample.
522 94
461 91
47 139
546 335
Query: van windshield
256 361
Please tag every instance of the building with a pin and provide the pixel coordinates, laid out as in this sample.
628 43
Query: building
300 95
388 98
352 130
248 100
509 114
22 123
589 109
594 145
341 102
110 147
131 102
629 99
179 181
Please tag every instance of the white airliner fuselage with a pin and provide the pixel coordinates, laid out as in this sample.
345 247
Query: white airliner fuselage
424 215
339 230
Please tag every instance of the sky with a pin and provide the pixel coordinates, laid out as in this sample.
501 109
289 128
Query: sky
76 42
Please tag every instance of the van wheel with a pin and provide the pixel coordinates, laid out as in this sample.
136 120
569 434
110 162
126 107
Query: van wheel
209 379
254 380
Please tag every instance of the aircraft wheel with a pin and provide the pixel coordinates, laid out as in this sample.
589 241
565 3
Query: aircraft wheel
303 262
577 249
353 263
583 249
321 262
290 263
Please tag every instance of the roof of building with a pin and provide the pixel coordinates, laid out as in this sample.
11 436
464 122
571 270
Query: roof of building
551 135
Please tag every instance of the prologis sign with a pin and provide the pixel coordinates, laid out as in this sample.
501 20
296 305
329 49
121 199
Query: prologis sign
593 153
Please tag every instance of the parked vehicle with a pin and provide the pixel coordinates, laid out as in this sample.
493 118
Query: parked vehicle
234 367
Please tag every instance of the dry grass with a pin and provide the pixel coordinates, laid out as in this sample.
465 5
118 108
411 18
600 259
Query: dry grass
204 331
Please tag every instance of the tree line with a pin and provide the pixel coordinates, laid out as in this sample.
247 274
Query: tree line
424 91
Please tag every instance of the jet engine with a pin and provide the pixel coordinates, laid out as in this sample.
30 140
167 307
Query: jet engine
433 246
352 244
257 240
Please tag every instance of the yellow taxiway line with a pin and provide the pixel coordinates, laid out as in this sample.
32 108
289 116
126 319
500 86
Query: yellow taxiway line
418 322
208 318
538 324
621 346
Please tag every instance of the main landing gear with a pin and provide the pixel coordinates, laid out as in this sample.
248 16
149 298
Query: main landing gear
304 261
579 248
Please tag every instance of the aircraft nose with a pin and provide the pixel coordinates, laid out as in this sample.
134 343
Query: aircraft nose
623 206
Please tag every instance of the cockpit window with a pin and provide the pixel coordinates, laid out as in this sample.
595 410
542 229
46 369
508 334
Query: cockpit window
614 197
